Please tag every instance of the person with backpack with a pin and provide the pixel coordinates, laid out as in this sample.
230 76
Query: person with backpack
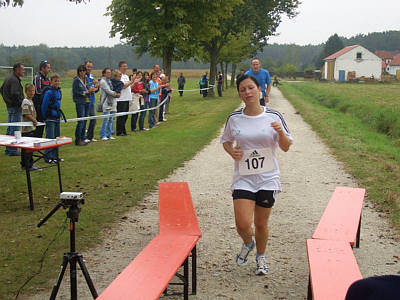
52 113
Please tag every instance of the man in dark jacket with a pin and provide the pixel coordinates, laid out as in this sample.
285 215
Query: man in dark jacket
181 84
13 95
41 82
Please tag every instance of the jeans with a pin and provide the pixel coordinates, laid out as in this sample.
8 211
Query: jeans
106 128
161 113
14 115
52 131
143 115
82 110
219 88
122 106
152 120
92 123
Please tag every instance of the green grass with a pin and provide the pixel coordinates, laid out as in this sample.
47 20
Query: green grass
114 175
371 156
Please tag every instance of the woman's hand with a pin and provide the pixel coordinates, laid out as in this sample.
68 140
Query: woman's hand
236 153
284 142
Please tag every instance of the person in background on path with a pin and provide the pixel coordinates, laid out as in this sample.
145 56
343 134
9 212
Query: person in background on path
204 80
276 81
240 74
108 104
137 100
263 79
93 84
123 101
51 111
220 81
28 115
80 95
181 84
153 97
257 132
40 81
13 95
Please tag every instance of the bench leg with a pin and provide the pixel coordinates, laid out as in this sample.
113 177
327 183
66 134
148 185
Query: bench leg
186 281
194 271
358 234
309 292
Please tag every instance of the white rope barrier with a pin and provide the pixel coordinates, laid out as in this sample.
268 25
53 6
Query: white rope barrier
118 114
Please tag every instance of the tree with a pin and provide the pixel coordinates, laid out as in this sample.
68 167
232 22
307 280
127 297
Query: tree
261 20
15 3
332 45
58 64
165 29
24 58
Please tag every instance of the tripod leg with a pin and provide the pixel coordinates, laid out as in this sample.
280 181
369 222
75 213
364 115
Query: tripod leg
60 277
87 276
73 277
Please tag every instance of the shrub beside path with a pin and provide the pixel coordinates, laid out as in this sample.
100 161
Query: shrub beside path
309 175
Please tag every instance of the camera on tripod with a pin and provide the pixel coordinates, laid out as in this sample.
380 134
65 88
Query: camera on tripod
69 199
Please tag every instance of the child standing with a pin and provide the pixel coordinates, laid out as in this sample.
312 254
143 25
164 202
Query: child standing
28 115
51 105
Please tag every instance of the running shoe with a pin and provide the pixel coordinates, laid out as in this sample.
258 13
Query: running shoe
104 139
242 256
262 265
112 138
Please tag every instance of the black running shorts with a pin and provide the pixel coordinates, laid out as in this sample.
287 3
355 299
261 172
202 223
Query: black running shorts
262 198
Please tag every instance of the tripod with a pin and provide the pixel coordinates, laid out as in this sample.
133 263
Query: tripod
72 257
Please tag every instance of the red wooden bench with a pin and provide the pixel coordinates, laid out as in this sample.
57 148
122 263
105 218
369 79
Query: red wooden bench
333 268
341 220
150 273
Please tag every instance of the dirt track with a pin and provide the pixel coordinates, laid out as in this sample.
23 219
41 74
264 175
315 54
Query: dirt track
309 176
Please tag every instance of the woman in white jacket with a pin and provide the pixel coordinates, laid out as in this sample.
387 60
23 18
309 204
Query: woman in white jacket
108 105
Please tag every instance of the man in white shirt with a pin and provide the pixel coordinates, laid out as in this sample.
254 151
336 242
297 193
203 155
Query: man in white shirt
123 101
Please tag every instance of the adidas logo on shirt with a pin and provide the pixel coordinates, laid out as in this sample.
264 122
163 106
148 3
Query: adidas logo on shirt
254 154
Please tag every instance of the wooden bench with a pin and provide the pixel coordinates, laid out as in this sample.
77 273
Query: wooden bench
150 273
341 220
333 268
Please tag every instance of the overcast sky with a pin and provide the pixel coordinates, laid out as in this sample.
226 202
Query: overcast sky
61 23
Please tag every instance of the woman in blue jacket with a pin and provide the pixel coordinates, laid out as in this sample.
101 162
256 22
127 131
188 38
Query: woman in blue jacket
80 95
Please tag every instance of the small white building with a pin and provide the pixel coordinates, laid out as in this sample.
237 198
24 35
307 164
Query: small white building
355 59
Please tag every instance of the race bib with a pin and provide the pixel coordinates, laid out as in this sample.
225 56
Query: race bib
256 162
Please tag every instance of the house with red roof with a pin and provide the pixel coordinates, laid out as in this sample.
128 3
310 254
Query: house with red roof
393 68
352 62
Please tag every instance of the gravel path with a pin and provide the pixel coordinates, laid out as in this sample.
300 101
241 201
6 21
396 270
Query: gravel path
309 176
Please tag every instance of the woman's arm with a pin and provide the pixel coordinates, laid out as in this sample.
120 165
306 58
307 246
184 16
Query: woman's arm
106 88
284 142
235 152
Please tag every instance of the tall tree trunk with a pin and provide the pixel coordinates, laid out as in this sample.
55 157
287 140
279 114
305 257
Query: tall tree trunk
233 78
226 75
167 61
221 64
213 51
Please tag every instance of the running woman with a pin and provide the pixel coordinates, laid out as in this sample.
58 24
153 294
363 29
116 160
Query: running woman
257 131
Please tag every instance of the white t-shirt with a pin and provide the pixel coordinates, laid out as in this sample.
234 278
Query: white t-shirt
126 94
254 133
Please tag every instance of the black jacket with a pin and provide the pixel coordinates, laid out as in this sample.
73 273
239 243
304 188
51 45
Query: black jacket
12 91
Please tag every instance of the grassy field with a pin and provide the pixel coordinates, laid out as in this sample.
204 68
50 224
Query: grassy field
114 175
360 122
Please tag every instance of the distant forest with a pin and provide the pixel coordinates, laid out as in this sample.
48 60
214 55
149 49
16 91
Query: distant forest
63 58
